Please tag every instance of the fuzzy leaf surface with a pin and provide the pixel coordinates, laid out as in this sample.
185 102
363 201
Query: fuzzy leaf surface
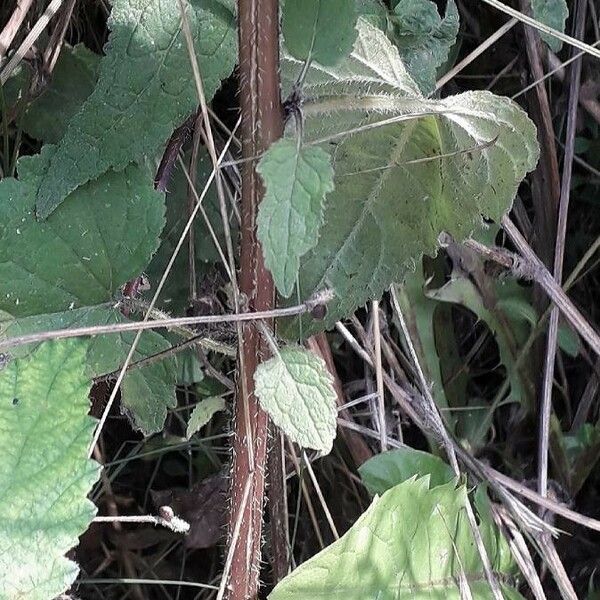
145 89
291 213
423 37
102 236
322 30
412 543
296 389
203 413
147 392
45 475
440 166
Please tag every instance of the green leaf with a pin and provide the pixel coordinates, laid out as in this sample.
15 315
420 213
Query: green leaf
296 389
463 291
45 474
102 236
145 89
574 454
412 543
147 392
73 80
568 340
386 470
203 413
374 12
321 30
146 395
440 167
423 38
189 368
553 13
290 216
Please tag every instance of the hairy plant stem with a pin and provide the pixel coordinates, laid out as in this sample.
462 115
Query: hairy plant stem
262 124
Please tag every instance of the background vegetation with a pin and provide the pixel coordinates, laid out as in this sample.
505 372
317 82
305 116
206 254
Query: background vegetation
449 369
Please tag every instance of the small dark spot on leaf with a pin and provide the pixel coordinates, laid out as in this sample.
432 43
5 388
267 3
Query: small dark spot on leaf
318 312
15 401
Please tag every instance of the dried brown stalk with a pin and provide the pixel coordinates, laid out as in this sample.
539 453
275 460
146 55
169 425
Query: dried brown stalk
262 124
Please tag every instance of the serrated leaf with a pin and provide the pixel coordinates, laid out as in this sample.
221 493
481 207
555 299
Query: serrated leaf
73 80
553 13
102 236
45 474
440 167
145 89
203 413
147 392
321 30
386 470
296 389
412 543
290 215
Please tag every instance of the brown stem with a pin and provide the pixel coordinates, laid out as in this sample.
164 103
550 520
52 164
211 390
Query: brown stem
279 534
262 124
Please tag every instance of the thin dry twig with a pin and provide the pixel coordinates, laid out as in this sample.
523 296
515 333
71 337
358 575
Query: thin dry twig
379 376
439 427
567 39
30 40
167 519
414 406
557 68
309 505
467 60
54 47
320 496
519 550
559 252
7 35
207 222
144 325
551 558
542 276
546 503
